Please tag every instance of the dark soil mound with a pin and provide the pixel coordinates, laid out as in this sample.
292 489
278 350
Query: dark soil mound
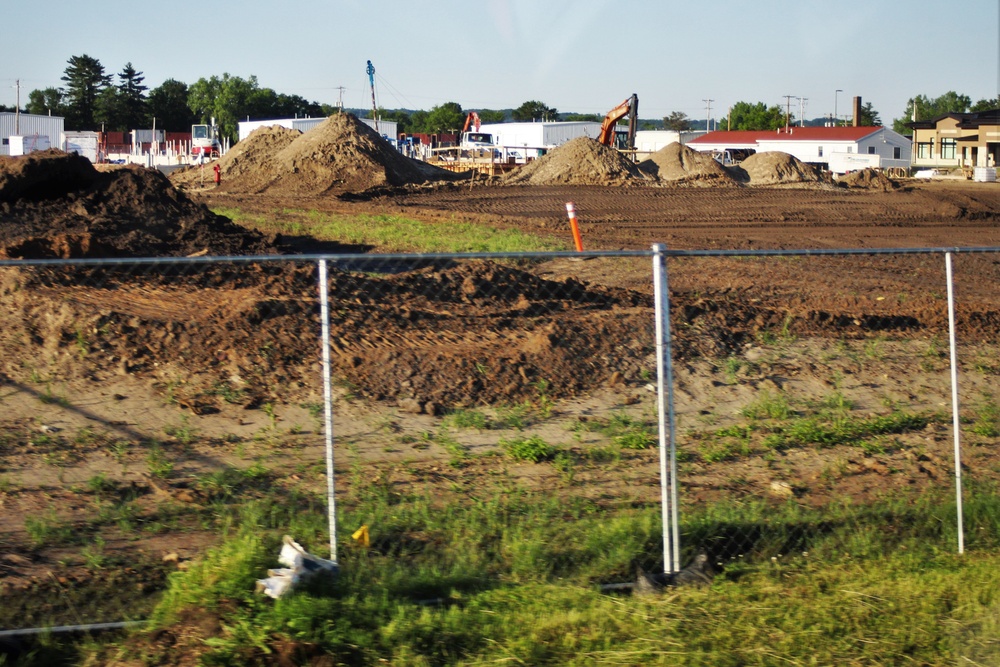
777 168
54 205
582 161
679 164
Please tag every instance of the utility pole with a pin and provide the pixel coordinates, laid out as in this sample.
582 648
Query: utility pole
708 118
340 99
835 93
802 111
788 110
17 108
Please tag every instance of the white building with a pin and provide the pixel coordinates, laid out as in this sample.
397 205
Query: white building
30 125
532 140
387 128
648 142
815 145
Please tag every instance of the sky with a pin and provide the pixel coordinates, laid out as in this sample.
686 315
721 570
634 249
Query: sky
582 56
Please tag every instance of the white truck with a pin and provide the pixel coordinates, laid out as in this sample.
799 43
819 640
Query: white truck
845 163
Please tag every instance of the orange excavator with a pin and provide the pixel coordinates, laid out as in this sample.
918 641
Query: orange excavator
472 120
630 108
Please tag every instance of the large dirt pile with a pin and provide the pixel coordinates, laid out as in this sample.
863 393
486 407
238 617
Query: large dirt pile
679 164
341 154
868 179
54 205
582 161
777 168
254 155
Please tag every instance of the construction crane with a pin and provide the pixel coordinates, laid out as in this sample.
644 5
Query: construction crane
630 108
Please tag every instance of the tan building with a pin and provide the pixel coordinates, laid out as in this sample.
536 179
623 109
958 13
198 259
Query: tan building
957 140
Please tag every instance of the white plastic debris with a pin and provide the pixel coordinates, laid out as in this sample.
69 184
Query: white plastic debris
300 565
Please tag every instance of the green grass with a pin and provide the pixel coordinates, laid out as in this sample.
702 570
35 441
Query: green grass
515 575
390 232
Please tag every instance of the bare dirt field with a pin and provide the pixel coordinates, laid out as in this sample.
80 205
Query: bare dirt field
139 400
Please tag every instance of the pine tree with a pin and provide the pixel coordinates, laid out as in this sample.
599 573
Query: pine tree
85 80
132 99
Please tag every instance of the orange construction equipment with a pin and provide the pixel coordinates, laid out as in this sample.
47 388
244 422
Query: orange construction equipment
473 120
630 108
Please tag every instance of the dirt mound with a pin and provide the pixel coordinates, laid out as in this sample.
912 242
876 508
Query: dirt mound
341 154
680 164
54 205
777 168
253 155
582 161
868 179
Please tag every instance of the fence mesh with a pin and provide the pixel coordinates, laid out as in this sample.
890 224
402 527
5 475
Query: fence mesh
146 402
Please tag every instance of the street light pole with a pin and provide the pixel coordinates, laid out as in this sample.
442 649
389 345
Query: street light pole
835 117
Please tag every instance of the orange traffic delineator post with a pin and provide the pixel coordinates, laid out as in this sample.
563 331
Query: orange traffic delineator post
571 212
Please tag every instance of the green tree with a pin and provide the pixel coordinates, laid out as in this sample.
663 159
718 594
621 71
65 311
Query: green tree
108 111
132 107
492 116
168 103
85 80
46 101
677 121
227 99
869 117
757 116
447 117
588 117
418 122
533 110
929 108
986 105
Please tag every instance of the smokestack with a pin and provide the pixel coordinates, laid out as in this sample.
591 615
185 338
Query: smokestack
857 111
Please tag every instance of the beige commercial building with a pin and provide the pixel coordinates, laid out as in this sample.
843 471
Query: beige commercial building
957 140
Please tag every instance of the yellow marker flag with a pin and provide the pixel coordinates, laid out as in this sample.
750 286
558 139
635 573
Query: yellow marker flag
361 536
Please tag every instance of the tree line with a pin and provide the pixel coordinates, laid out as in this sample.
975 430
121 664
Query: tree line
93 99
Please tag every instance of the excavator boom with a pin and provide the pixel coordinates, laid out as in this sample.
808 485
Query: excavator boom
630 108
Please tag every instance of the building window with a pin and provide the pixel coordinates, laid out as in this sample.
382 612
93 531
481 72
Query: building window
948 149
924 149
897 152
871 150
850 149
819 152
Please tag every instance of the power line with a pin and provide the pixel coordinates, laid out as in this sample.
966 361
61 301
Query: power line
708 117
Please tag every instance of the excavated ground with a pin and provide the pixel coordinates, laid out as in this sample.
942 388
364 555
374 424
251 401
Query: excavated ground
217 366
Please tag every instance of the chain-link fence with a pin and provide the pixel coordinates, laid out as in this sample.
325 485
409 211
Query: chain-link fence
795 407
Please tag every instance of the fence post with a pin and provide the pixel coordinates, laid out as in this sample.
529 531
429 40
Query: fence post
665 414
954 402
324 309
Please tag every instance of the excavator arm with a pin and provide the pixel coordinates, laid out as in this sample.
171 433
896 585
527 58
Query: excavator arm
630 107
473 120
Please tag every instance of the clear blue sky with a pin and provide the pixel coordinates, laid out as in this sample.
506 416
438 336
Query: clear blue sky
574 55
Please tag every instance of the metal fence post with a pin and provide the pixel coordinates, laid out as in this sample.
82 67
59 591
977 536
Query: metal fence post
665 413
324 307
954 402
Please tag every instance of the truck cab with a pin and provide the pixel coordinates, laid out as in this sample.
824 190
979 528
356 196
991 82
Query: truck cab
477 140
204 142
